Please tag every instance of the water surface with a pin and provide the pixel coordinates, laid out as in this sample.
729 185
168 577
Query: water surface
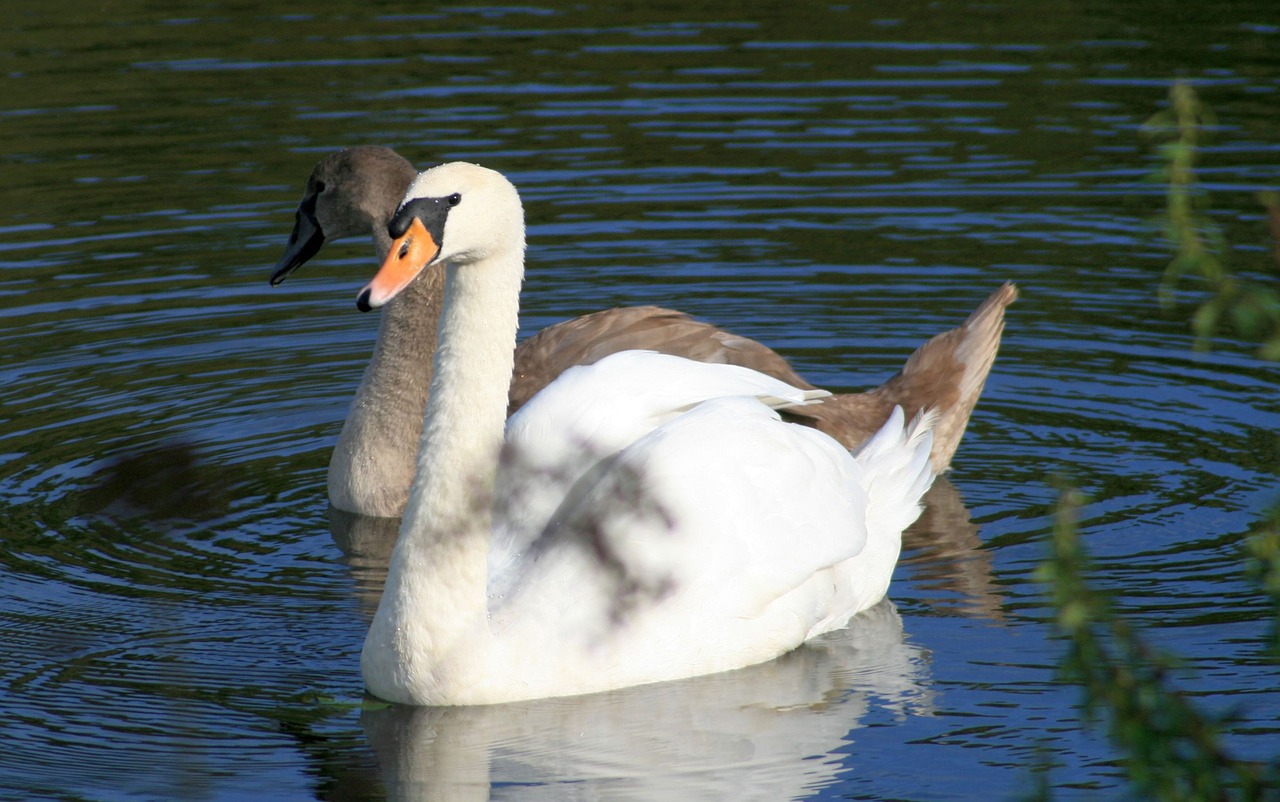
840 184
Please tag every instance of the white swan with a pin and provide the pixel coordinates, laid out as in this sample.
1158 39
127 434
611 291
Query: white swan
356 191
676 526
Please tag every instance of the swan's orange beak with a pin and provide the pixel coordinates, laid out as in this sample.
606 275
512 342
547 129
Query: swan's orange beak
409 255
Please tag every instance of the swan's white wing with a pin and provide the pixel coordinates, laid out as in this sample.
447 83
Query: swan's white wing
588 415
748 504
701 527
721 538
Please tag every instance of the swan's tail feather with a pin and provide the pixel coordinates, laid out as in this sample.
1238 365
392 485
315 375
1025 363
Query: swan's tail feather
948 373
945 374
899 469
920 436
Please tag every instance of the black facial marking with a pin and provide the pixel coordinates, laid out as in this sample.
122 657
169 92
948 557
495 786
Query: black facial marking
431 211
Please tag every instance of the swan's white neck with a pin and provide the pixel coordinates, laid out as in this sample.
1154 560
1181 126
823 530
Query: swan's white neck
434 604
462 433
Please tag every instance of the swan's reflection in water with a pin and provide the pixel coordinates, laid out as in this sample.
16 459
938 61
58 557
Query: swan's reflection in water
367 545
947 558
773 731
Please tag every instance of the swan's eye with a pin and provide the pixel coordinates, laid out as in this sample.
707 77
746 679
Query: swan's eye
454 199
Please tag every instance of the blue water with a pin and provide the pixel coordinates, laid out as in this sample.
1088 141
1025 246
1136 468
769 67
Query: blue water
841 184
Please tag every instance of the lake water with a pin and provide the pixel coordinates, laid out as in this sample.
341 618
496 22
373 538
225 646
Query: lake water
838 181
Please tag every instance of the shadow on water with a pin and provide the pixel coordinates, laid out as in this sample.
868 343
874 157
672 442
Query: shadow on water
170 482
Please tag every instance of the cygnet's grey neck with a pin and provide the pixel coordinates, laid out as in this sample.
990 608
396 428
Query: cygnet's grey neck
373 462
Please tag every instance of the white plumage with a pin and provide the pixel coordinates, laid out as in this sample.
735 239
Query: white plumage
642 519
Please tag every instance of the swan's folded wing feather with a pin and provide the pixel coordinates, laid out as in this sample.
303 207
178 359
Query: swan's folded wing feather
589 414
716 515
767 504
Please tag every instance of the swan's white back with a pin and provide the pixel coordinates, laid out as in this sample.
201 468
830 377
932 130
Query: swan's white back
720 538
589 414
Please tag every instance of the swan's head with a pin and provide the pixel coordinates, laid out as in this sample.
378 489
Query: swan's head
455 214
352 192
